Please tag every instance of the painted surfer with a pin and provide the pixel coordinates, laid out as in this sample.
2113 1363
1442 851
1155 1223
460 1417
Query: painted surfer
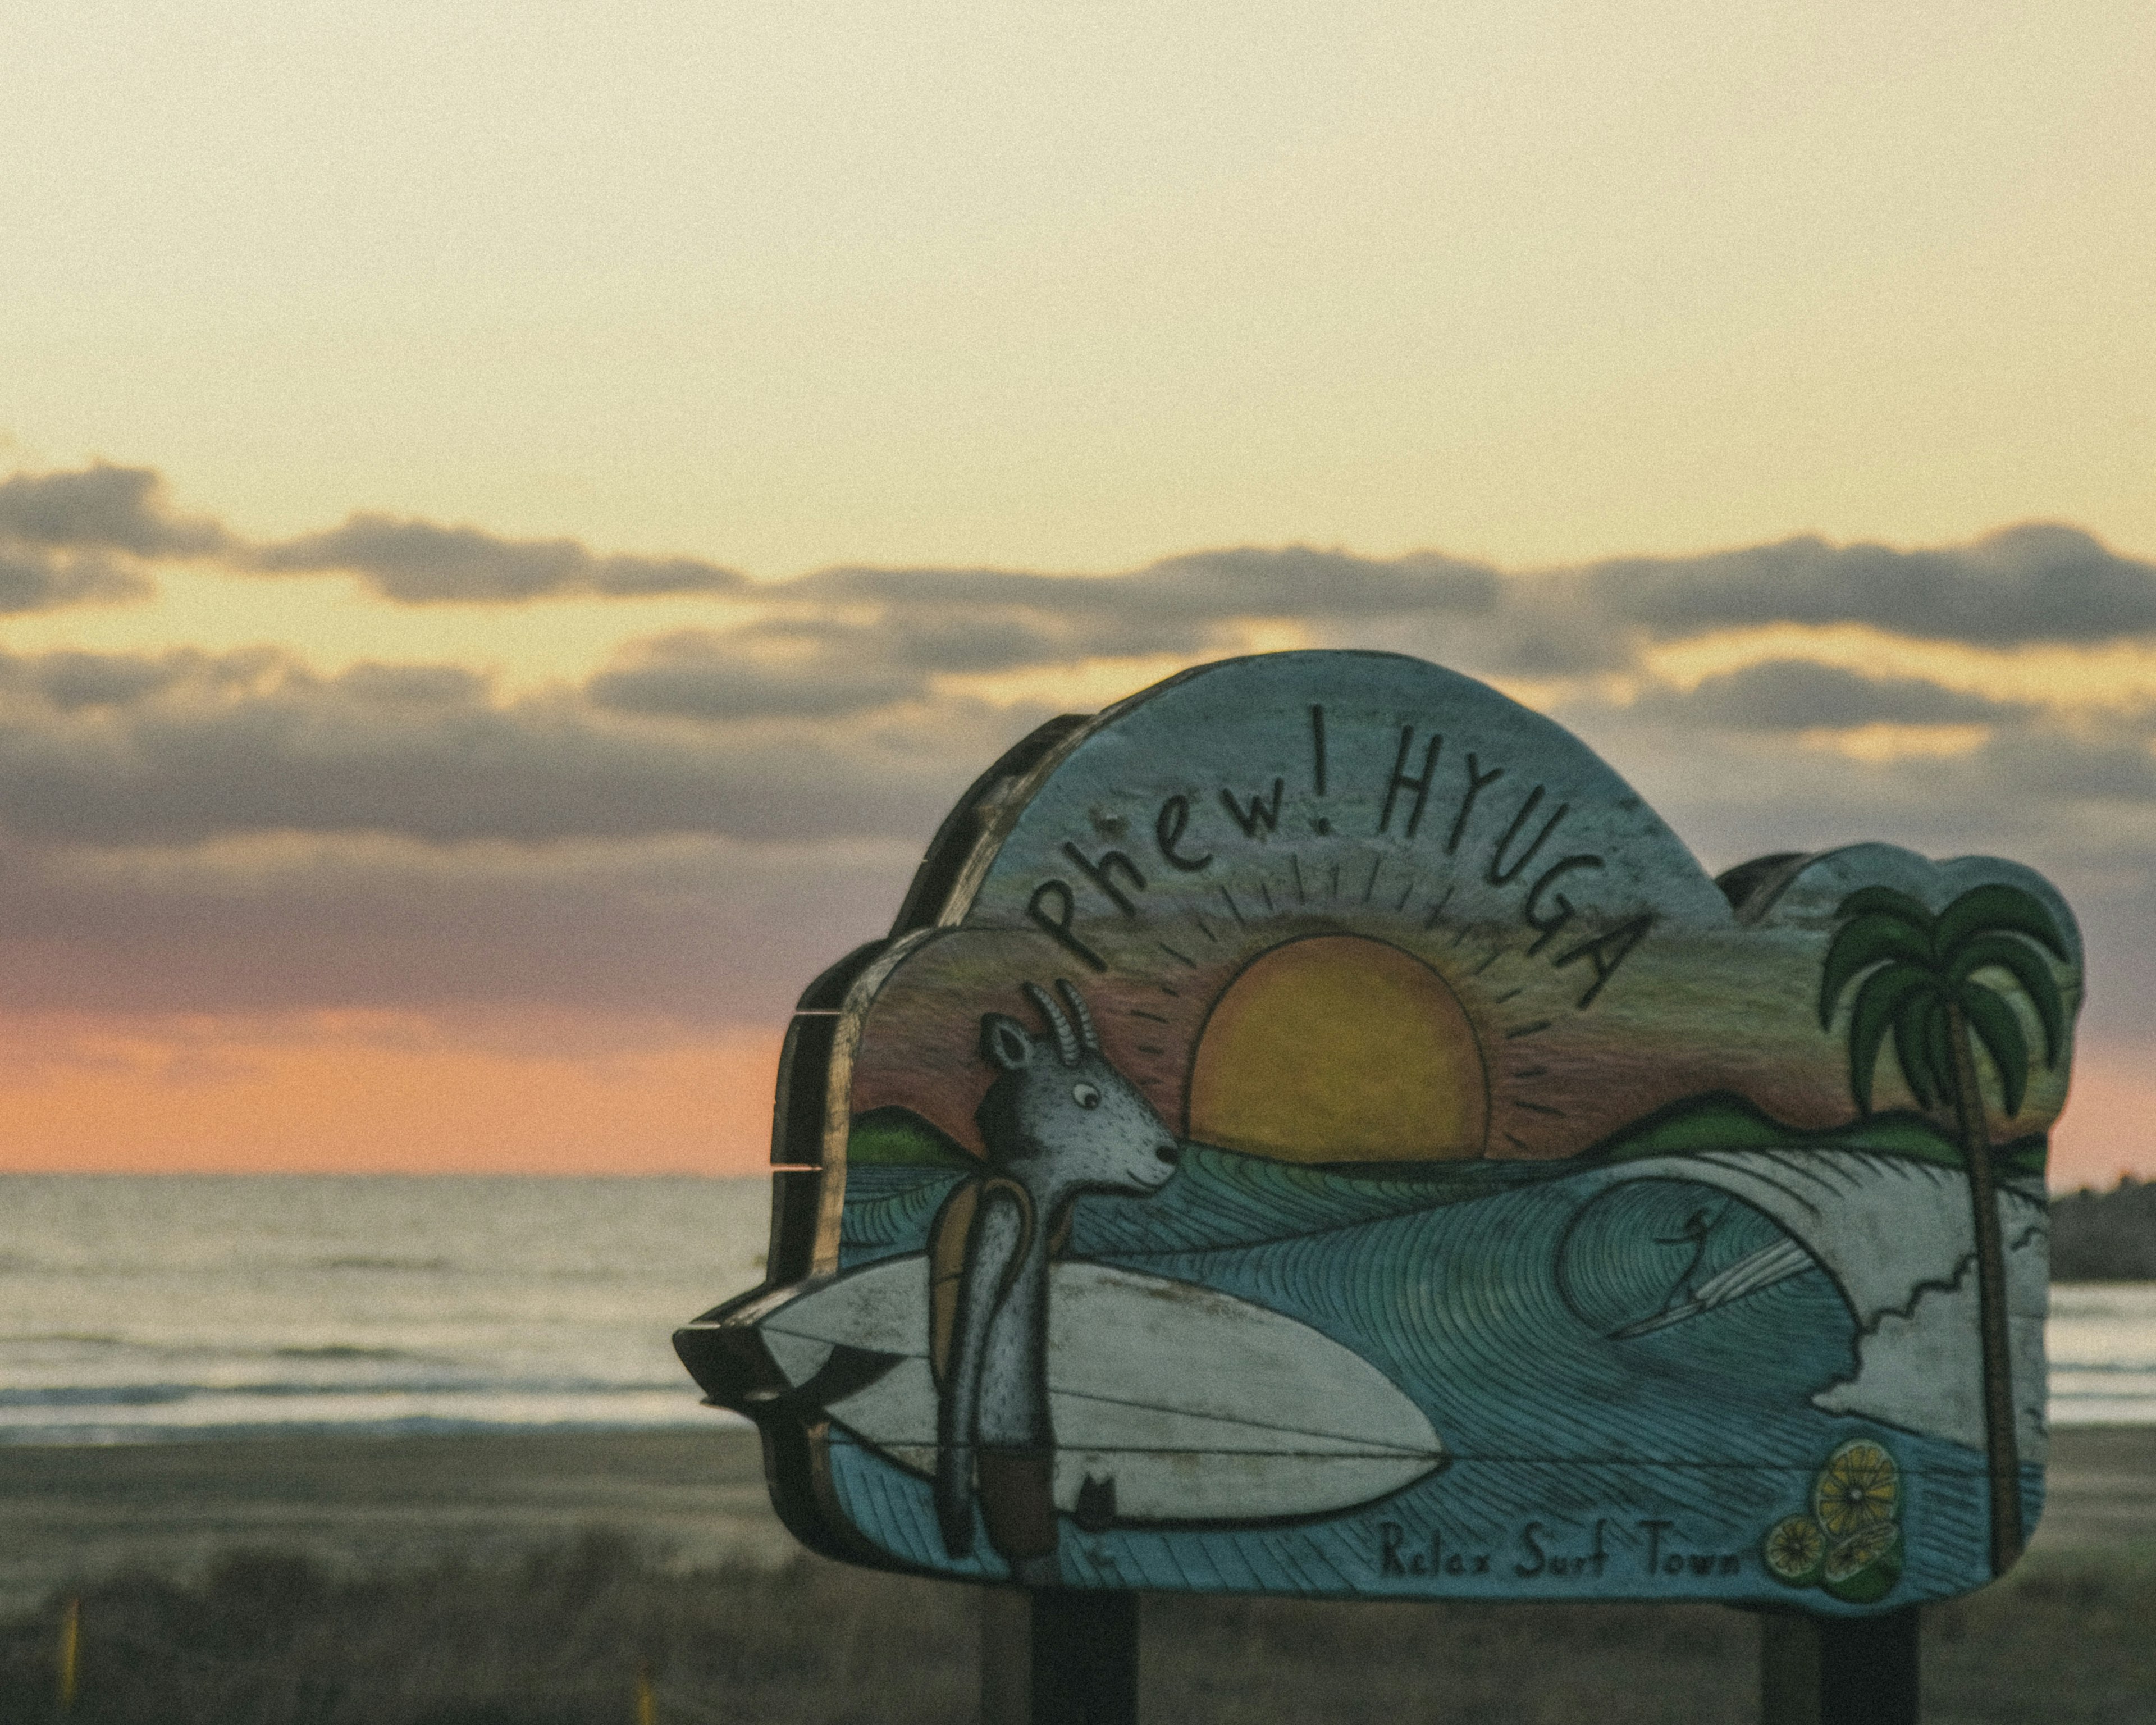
1690 1297
1060 1121
1695 1232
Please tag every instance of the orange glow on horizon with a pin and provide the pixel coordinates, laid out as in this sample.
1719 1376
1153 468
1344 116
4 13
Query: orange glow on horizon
394 1096
2106 1128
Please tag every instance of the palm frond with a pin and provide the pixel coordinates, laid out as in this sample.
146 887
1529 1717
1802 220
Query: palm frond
1912 1048
1998 908
1884 998
1939 1047
1873 938
2006 952
2000 1031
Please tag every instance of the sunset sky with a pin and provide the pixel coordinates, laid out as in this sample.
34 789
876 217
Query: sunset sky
521 519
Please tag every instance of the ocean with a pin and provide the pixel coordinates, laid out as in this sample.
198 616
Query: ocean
147 1310
142 1310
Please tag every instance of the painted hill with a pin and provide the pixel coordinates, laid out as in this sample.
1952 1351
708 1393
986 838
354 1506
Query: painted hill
897 1137
1728 1121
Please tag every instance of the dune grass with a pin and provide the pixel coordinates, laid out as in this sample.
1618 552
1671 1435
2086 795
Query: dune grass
271 1639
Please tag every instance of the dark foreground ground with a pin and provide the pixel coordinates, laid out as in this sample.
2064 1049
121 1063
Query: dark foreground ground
474 1602
559 1638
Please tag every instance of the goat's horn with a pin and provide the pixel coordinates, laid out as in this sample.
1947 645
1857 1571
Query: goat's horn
1083 1018
1066 1038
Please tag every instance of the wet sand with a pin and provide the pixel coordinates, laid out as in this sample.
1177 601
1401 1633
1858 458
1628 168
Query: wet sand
2100 1493
378 1503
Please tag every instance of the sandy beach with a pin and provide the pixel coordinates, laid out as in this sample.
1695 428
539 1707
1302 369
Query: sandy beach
375 1503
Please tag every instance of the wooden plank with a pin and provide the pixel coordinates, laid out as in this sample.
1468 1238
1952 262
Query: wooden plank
971 827
797 1205
805 1066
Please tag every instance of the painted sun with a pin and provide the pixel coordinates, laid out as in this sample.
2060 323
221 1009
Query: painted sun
1339 1047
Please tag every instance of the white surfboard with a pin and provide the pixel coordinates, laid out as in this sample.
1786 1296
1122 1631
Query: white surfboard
1766 1268
1198 1405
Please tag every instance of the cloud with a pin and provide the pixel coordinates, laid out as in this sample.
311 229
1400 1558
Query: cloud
417 563
1802 694
847 640
807 737
690 928
75 538
105 508
2043 795
2026 585
1200 587
698 929
69 681
2103 765
2076 800
197 831
696 674
986 620
126 750
35 579
2036 582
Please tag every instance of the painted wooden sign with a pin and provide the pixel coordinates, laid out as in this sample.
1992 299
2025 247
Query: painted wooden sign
1314 1130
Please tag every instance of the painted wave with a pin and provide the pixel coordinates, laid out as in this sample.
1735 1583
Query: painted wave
1491 1293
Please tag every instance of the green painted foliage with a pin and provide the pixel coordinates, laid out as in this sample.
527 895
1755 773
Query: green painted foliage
1725 1121
898 1136
1918 969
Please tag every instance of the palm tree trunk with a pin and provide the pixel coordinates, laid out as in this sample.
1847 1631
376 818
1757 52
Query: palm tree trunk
2001 1444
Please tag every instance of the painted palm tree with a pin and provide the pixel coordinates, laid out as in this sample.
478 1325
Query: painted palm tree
1923 990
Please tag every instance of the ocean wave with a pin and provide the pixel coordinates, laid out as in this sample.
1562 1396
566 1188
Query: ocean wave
198 1350
139 1395
414 1265
125 1395
527 1405
694 1416
340 1350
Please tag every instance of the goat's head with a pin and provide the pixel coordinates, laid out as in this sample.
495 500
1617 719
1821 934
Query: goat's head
1059 1115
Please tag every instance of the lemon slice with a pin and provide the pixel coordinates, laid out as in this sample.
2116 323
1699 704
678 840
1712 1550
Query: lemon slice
1859 1488
1794 1550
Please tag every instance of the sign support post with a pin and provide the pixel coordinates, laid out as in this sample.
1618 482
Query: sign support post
1059 1656
1006 1655
1840 1670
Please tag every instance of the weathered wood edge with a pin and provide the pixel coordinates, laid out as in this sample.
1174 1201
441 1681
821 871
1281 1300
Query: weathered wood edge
1001 808
838 1091
956 838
